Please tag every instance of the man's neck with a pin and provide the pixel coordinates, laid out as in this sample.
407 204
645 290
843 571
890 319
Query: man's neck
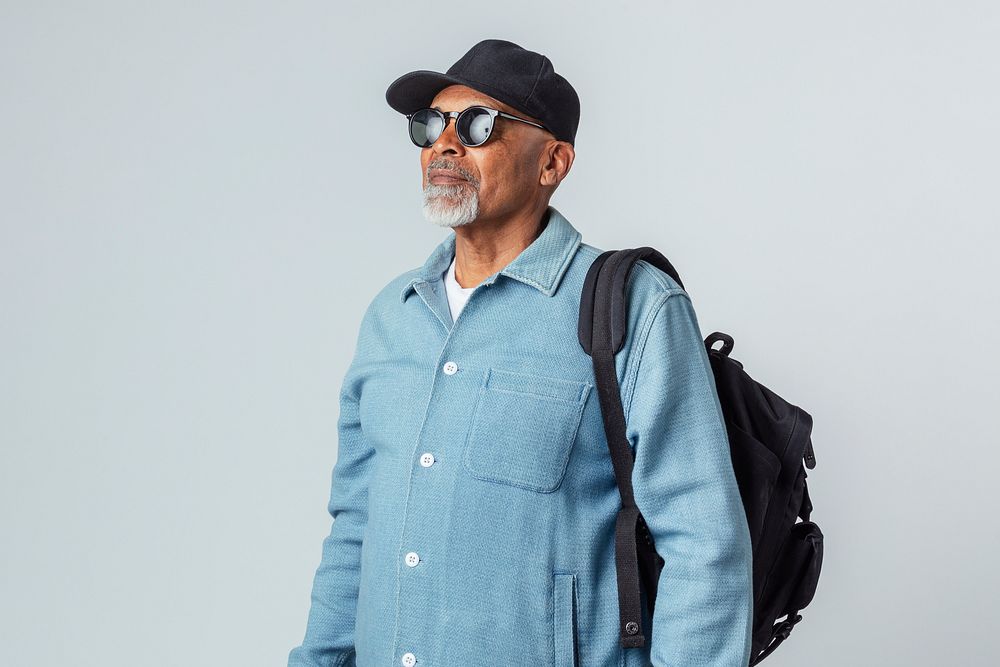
483 247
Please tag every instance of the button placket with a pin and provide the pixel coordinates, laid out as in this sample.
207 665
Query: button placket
412 559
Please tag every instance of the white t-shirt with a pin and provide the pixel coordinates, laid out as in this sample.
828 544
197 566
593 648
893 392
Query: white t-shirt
457 295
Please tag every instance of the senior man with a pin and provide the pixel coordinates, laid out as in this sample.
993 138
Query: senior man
473 496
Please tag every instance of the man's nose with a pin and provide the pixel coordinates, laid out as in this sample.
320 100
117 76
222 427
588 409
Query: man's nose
448 141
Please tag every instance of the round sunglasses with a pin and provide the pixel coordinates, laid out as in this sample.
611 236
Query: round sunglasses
473 125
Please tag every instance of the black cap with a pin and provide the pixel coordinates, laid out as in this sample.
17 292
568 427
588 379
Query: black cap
523 79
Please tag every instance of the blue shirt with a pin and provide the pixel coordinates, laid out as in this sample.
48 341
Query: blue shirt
473 496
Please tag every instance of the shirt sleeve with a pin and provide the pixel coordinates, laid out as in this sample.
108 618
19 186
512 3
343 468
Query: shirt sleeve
329 636
686 489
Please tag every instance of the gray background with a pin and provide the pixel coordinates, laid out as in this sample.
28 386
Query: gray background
200 199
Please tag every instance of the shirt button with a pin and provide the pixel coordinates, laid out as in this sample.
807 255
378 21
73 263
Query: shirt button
409 660
412 559
427 459
450 367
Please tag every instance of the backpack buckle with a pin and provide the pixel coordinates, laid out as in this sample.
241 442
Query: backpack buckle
784 628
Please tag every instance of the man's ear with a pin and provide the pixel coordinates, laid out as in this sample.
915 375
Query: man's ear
560 156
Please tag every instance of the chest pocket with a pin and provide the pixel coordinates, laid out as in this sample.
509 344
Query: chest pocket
523 428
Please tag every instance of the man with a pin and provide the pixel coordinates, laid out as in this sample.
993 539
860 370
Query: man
473 496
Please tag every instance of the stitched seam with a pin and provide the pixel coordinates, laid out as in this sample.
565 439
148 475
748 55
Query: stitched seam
657 275
566 260
535 84
633 372
534 394
646 328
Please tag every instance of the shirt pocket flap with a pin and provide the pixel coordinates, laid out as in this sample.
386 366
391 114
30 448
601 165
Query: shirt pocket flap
540 385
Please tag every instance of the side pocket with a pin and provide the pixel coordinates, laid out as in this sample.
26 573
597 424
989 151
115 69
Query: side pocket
564 618
807 550
793 580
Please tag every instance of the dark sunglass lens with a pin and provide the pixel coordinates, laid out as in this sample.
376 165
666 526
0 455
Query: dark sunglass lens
425 127
474 126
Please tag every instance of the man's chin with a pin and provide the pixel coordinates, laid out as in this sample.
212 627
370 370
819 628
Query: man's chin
445 222
439 211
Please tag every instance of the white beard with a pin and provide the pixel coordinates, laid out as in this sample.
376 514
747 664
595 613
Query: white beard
451 205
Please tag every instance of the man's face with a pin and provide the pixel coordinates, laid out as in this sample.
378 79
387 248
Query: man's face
493 179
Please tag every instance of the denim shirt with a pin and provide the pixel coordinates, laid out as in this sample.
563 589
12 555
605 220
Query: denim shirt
473 495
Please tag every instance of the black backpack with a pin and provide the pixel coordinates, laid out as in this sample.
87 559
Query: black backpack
769 438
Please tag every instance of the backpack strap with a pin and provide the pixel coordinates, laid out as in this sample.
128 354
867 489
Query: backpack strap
779 634
601 329
619 314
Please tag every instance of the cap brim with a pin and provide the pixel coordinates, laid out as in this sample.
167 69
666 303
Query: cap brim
416 90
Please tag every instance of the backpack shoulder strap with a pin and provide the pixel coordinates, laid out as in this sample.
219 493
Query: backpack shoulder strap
601 329
616 284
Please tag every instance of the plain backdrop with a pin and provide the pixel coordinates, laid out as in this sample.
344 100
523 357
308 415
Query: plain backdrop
199 199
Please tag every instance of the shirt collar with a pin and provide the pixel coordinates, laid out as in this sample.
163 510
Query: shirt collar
541 265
